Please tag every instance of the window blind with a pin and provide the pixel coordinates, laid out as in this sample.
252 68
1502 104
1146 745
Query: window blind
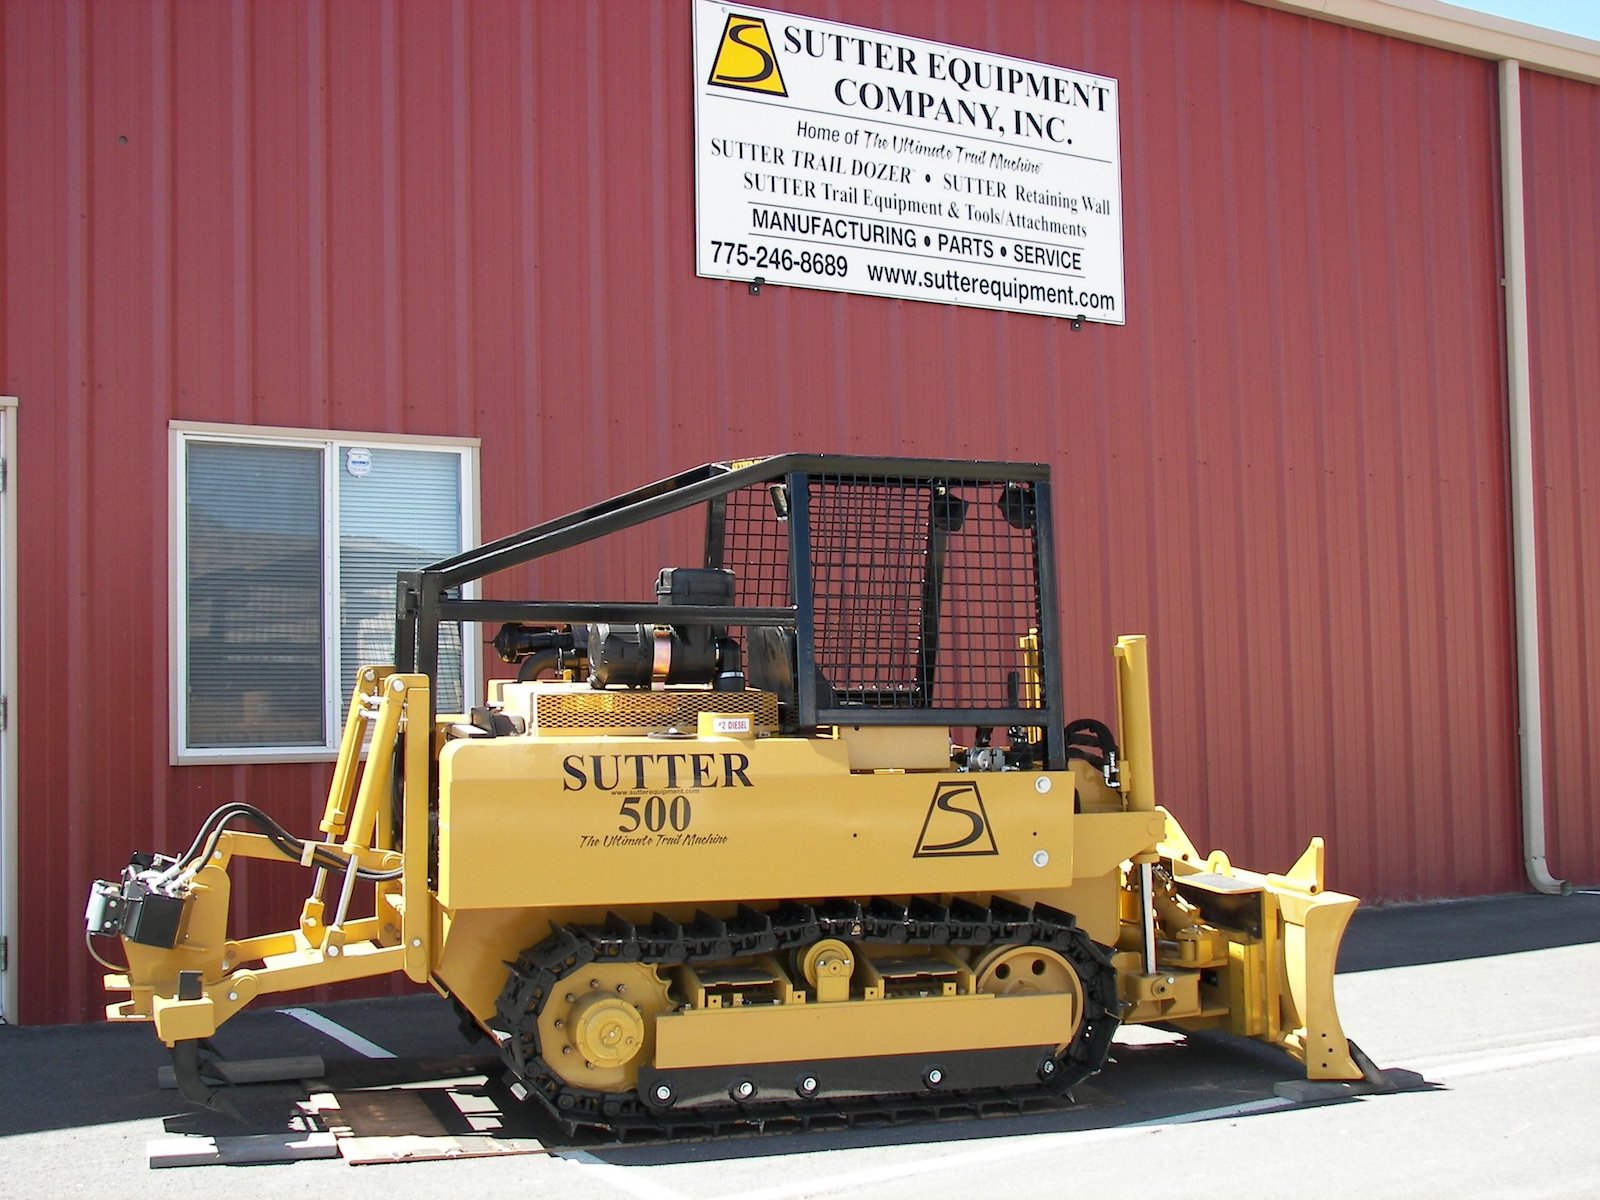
399 510
253 576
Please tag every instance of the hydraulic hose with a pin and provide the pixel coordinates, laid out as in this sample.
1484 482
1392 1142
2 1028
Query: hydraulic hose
287 844
539 662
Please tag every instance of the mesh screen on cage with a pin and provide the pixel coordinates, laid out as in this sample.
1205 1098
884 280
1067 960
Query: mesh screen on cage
921 589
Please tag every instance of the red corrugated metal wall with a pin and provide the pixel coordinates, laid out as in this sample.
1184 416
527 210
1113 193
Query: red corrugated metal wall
1561 128
476 219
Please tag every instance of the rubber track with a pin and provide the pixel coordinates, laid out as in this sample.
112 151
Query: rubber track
790 926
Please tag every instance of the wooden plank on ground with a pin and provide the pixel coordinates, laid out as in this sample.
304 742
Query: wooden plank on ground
369 1151
199 1151
418 1124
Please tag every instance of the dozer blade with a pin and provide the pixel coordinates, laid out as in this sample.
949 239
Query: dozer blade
1310 925
1283 936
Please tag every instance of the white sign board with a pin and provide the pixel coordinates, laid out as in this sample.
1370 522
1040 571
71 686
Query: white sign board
829 156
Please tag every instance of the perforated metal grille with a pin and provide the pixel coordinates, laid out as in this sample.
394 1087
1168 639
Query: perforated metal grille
582 710
921 589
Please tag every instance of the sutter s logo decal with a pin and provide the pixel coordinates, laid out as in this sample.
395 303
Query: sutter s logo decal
745 58
956 825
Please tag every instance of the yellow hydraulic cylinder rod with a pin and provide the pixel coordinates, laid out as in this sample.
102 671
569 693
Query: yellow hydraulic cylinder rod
375 779
1133 712
336 813
344 771
1032 677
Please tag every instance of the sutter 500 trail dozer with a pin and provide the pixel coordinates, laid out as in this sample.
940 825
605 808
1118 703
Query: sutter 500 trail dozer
714 859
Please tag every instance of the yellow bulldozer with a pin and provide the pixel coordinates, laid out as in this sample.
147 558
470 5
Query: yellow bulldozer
807 836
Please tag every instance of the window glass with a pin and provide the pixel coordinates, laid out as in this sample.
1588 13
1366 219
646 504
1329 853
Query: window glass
289 546
253 576
398 510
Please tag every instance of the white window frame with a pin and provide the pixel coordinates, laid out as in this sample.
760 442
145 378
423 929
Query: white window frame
184 433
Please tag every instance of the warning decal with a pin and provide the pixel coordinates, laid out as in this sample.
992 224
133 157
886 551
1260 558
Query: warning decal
745 58
956 824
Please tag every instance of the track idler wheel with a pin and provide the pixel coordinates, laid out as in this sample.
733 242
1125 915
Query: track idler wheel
599 1024
1021 970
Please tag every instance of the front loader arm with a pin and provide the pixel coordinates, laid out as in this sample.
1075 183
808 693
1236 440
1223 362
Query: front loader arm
184 970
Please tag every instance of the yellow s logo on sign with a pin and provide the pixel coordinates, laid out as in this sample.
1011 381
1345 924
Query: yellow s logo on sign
746 59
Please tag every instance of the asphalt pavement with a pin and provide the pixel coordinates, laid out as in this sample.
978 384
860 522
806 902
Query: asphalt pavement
1493 1002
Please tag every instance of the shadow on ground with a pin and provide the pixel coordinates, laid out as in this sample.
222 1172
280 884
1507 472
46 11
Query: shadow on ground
1408 935
83 1076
